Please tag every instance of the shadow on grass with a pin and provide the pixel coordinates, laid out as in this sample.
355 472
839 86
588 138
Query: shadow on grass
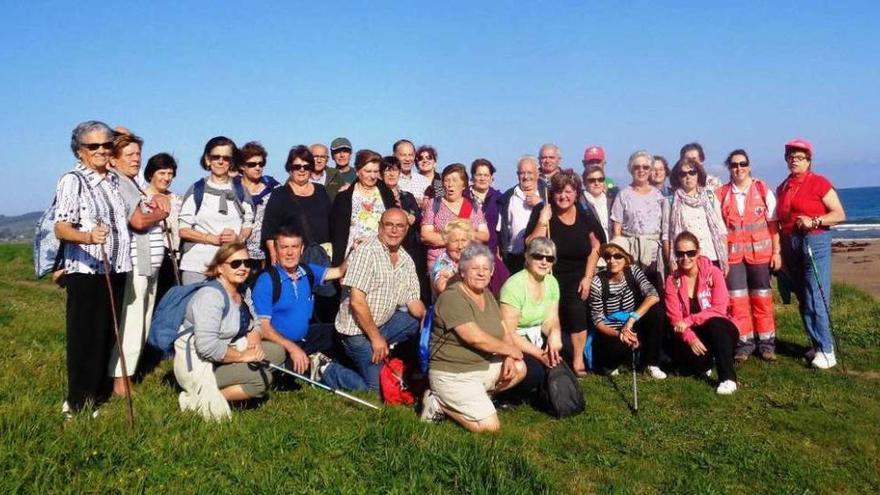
630 404
791 349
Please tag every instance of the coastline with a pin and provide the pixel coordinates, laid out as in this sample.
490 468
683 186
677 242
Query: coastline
857 262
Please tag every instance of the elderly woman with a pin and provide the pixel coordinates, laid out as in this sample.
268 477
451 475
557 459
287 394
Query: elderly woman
696 305
636 217
530 307
748 208
660 174
472 355
577 235
92 222
625 314
486 198
595 197
426 160
457 235
695 209
159 173
440 211
213 212
219 338
808 206
357 210
258 187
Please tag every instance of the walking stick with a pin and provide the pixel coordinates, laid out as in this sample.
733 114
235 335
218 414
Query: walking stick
130 407
822 294
635 384
173 255
320 385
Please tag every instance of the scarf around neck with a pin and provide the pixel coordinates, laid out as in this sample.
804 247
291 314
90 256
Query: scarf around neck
704 199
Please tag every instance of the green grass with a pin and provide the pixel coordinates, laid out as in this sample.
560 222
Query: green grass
788 429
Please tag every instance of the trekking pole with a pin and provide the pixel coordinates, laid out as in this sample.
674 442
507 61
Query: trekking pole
130 406
822 294
635 384
318 384
173 252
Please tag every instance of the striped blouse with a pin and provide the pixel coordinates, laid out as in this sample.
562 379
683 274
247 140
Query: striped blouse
620 298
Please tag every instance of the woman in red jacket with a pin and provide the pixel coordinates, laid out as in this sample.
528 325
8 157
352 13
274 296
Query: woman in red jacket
696 304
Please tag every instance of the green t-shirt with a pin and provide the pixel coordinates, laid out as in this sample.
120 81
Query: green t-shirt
515 292
453 308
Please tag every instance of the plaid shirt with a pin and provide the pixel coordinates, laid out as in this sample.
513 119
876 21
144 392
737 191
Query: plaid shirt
387 286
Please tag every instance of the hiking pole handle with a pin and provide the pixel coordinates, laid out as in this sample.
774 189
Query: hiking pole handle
320 385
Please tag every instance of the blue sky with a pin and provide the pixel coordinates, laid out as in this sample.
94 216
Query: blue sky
474 79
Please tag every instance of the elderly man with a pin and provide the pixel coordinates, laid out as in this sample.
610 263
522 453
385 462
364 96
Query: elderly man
411 182
340 150
549 158
327 177
381 277
514 209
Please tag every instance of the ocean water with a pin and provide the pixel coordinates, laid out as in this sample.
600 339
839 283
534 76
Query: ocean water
862 206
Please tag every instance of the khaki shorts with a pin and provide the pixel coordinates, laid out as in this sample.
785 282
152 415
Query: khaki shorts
466 392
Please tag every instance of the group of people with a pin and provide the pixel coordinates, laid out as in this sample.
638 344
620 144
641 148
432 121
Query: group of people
334 269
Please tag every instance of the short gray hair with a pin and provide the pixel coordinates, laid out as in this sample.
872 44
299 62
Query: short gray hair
80 131
635 156
527 158
551 145
472 251
541 245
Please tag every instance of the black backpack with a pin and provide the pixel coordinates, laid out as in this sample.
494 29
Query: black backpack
276 280
562 393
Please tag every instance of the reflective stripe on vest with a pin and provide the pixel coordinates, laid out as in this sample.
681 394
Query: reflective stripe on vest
748 234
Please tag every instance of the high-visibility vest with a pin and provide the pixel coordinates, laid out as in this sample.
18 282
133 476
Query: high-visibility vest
748 235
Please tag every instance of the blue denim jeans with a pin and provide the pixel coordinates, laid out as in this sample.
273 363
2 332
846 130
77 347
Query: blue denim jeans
803 280
400 328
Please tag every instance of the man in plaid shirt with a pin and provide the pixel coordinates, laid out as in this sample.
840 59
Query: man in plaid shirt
381 278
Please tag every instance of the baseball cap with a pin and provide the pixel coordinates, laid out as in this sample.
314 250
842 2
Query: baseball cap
594 153
340 143
800 144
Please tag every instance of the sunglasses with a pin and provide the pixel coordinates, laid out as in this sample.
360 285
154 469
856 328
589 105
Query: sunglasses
682 254
684 173
542 257
218 158
641 167
236 264
734 165
94 146
296 167
254 164
614 256
596 180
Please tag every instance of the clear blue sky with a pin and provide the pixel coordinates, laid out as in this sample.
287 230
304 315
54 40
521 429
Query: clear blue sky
474 79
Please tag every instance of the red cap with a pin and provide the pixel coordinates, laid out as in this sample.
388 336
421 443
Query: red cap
800 144
594 153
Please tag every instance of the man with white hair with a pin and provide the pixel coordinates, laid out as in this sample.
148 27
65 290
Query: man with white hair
550 159
515 208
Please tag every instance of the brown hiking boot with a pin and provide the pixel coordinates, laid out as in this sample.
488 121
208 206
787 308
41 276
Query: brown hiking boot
768 356
740 358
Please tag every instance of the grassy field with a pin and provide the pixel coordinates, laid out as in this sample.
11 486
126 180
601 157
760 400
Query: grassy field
789 429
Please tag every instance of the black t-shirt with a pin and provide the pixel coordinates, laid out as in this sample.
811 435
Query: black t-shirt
285 209
572 243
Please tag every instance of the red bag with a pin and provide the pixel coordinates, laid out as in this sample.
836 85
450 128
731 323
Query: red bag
400 383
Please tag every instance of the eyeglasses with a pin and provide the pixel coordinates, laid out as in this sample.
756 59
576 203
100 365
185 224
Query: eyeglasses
684 173
596 180
614 256
254 164
682 254
218 158
641 167
797 158
236 264
296 167
544 257
320 157
734 165
94 146
394 226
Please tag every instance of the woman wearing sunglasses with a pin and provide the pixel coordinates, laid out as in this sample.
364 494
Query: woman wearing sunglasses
258 187
748 207
626 315
212 363
695 209
214 212
530 304
696 305
596 198
636 217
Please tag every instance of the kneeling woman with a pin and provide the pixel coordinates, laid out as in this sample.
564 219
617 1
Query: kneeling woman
626 314
472 356
211 363
696 304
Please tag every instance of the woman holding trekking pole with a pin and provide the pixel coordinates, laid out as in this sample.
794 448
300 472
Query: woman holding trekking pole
808 205
92 223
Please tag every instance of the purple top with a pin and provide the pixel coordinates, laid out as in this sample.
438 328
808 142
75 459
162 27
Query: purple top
489 208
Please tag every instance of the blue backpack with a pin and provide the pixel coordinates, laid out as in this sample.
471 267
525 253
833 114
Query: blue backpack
171 312
425 340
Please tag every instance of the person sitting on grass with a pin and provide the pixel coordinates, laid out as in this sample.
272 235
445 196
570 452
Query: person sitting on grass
696 304
212 364
284 304
380 278
457 234
472 355
625 313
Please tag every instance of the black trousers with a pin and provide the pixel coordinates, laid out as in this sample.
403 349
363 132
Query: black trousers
90 336
719 336
529 389
609 352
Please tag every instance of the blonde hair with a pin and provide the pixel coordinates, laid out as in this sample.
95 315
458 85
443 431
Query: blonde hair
459 224
224 253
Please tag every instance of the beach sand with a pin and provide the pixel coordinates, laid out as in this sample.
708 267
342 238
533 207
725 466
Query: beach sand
857 263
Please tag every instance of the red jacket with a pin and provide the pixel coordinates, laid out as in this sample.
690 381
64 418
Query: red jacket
711 294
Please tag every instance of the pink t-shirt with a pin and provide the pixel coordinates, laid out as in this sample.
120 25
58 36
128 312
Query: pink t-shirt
443 216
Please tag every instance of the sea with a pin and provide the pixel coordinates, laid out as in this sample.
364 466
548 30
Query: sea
862 206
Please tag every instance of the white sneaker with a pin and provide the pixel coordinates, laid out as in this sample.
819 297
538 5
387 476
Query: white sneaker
708 373
726 387
431 410
317 363
656 373
824 360
65 411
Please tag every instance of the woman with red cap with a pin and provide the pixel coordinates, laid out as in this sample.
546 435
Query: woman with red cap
808 206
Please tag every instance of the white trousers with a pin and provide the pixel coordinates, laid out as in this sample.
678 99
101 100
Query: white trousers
137 311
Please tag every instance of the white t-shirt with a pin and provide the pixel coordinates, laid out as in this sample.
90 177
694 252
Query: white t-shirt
518 214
